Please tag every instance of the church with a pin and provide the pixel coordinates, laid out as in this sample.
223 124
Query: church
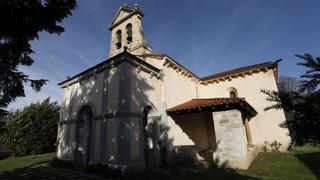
141 109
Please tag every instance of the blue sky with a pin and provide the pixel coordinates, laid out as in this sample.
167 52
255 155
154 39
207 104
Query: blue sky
206 36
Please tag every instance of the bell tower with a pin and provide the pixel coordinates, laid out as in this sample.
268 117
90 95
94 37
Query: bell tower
126 30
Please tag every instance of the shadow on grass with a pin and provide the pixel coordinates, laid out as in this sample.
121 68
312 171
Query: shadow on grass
28 172
190 173
39 163
172 173
38 171
311 161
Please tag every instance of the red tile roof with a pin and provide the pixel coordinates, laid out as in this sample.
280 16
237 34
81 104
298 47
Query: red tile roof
213 104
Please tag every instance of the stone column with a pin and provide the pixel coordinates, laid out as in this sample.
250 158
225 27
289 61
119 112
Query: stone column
248 133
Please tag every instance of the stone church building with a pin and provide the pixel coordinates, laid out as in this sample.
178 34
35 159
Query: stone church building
141 109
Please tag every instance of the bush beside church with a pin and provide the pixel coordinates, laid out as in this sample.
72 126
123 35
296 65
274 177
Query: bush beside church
32 130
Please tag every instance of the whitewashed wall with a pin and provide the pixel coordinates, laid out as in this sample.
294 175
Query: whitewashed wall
89 92
117 97
177 89
264 126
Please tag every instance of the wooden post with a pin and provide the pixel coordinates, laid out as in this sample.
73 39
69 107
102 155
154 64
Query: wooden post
248 132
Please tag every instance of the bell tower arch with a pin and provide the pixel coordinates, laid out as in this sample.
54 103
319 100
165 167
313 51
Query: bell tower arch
126 30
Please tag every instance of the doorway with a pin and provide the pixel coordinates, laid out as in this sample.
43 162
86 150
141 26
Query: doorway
146 142
83 136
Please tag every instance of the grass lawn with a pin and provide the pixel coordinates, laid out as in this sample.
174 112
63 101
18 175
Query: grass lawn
12 163
303 163
285 166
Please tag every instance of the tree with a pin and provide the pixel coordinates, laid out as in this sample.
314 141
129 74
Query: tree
311 77
288 84
32 130
301 104
20 23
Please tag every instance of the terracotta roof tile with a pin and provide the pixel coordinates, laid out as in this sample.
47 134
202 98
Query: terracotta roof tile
211 104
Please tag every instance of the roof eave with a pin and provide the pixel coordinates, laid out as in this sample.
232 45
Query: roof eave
239 104
243 71
106 63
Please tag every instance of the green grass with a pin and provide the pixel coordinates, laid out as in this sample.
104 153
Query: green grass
282 166
12 163
302 163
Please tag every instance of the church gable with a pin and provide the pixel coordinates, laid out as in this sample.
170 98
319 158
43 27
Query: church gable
124 13
121 13
113 63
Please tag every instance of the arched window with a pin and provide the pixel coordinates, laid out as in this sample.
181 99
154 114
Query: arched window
129 33
119 39
232 94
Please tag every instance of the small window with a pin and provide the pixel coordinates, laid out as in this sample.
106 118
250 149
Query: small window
129 33
119 39
232 94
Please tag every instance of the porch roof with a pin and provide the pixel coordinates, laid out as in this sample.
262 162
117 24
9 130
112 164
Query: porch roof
213 104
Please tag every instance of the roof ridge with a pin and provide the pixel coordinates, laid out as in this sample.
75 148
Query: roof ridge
217 98
239 69
153 54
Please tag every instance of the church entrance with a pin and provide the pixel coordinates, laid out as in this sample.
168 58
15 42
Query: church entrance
146 142
151 138
83 136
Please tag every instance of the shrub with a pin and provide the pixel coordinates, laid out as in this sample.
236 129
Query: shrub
265 146
273 147
32 130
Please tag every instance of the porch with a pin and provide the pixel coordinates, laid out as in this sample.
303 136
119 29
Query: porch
219 128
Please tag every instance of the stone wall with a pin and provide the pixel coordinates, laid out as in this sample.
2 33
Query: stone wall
231 140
